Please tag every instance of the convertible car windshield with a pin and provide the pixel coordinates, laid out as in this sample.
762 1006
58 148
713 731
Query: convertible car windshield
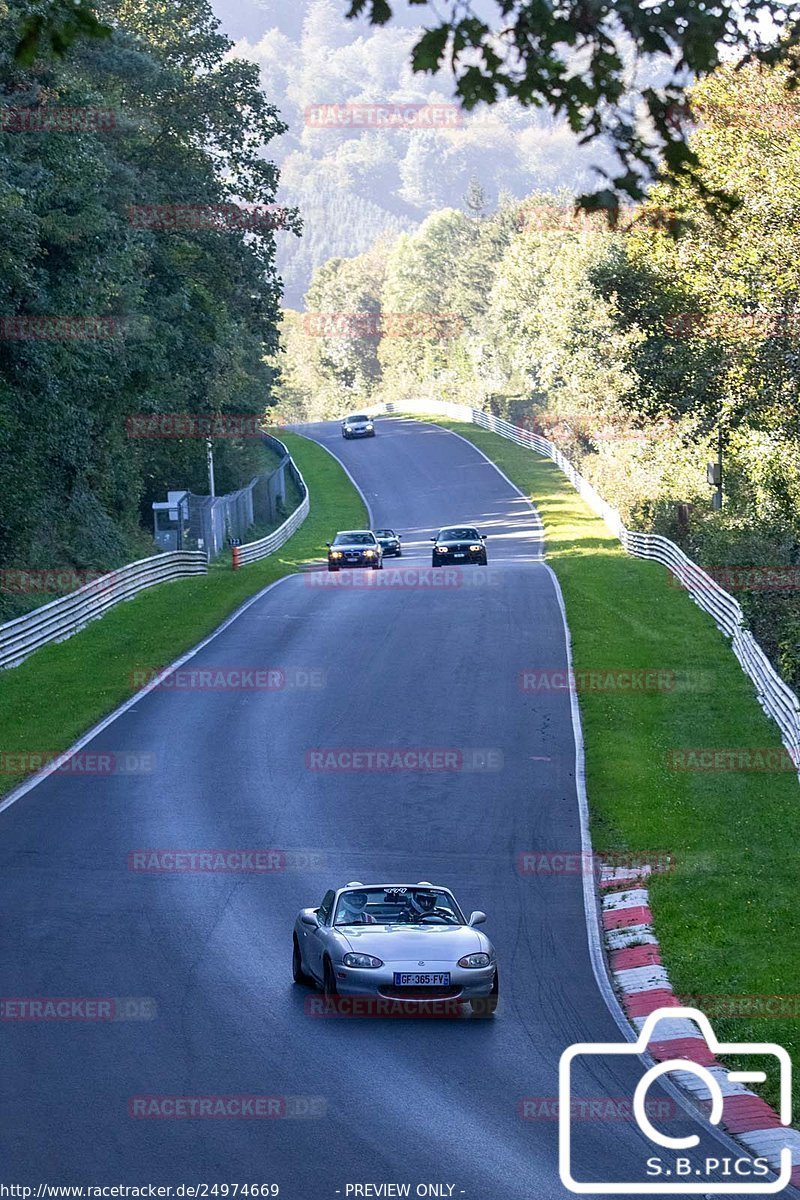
397 905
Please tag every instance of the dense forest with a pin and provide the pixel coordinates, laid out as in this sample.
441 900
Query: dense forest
355 184
113 301
635 350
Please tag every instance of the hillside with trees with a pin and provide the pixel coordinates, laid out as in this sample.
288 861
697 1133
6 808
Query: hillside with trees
354 184
633 349
161 115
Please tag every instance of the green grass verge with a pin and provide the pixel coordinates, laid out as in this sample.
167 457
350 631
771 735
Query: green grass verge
727 915
62 690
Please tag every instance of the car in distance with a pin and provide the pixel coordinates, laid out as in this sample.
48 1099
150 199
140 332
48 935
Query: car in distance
358 426
355 548
390 542
459 544
404 942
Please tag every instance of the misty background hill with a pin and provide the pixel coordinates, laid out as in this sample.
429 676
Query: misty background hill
352 185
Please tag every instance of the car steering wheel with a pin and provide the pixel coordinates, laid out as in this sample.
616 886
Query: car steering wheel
439 915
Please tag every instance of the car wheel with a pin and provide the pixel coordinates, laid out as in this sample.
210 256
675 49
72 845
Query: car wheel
486 1006
329 981
484 561
434 563
399 554
298 974
334 569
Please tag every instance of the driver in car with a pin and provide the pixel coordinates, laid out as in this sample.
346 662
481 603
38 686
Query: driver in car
422 904
355 912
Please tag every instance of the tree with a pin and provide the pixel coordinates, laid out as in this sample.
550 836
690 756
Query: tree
575 59
476 199
193 311
342 326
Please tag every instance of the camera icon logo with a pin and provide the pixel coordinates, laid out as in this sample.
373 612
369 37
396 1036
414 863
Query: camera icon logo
595 1050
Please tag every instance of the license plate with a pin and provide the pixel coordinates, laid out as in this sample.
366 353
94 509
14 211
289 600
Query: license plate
459 554
424 979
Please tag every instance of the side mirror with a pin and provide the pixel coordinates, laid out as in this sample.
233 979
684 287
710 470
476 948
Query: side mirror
477 918
433 539
328 545
309 917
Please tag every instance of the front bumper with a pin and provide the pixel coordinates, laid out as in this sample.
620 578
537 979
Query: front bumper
459 557
355 433
466 983
361 561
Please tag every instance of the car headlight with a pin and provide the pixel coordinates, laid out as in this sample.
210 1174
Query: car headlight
336 554
476 548
361 960
440 549
475 960
369 554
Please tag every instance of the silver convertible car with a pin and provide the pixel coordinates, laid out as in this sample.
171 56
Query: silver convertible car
406 942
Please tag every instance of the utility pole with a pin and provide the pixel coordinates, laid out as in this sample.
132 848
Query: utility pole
210 458
714 474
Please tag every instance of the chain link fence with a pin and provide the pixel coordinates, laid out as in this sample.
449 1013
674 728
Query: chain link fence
212 523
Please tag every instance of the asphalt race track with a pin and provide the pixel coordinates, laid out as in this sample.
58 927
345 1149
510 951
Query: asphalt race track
368 662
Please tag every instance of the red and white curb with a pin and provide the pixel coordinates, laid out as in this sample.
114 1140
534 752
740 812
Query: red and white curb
643 983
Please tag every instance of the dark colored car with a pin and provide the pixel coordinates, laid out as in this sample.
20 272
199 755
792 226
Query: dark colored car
390 542
355 548
459 544
358 426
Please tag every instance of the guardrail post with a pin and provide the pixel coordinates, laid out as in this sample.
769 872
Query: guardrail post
235 563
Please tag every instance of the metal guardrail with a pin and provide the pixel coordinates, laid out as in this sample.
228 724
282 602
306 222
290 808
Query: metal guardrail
60 618
252 551
774 694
